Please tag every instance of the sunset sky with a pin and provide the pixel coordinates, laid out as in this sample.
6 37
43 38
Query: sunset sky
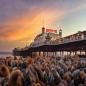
22 20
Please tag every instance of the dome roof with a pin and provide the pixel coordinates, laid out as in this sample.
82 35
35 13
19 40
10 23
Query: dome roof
39 35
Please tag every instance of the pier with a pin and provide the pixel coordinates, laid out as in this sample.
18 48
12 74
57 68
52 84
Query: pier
43 44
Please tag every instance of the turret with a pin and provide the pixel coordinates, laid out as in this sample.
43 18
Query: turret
60 33
43 30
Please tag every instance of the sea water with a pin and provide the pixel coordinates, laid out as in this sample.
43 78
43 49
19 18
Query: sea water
5 55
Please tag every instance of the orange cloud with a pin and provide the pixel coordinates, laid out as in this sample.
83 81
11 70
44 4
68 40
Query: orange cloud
27 27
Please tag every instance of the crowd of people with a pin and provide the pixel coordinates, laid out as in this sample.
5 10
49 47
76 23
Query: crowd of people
42 71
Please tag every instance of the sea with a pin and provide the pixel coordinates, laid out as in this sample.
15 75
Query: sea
5 55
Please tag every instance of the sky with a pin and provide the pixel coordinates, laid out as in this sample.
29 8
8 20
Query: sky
22 20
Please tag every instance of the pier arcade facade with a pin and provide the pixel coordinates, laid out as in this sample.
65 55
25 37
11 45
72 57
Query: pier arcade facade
46 44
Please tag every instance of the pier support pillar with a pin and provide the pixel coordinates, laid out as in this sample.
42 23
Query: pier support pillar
67 53
43 54
53 53
56 53
70 53
60 53
47 54
75 52
39 53
80 52
85 52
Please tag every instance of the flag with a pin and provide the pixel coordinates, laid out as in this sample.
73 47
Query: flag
51 30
